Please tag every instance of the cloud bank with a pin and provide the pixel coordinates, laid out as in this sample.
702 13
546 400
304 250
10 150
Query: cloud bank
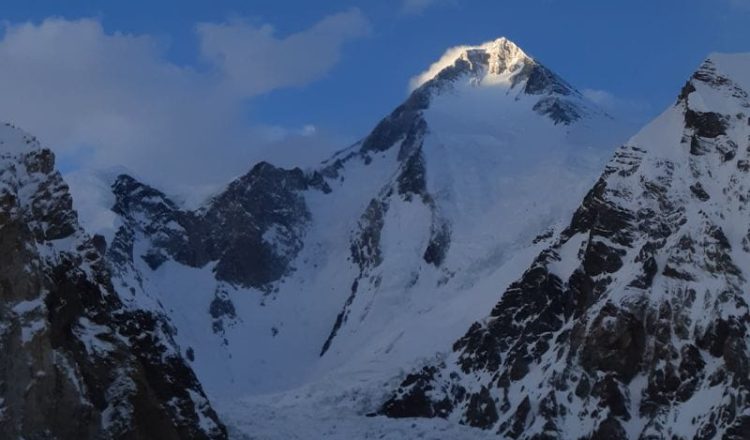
255 61
109 98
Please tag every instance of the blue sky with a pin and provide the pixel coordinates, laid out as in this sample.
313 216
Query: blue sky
130 63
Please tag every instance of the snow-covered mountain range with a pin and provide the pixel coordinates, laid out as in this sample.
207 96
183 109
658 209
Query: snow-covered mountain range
633 323
302 300
397 240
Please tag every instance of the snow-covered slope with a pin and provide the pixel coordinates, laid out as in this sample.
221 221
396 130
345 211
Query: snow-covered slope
633 323
76 362
370 262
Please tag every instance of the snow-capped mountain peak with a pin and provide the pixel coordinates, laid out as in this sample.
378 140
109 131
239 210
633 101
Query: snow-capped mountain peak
734 65
496 57
502 64
718 83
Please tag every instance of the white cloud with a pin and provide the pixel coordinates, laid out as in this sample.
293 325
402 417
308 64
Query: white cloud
600 97
101 99
256 61
416 7
309 130
635 111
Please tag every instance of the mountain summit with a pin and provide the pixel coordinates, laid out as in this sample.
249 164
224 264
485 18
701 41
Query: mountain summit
494 62
497 57
500 63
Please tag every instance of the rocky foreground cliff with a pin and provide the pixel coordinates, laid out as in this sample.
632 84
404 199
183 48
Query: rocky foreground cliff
76 362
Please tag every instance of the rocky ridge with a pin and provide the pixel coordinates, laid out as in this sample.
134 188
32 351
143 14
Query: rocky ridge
632 325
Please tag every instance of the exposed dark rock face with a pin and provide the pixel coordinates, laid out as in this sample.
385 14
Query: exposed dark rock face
340 318
559 110
77 362
222 311
636 315
699 192
257 224
252 230
366 247
440 238
404 122
413 398
705 124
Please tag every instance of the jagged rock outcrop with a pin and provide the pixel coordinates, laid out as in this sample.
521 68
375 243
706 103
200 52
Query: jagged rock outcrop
77 362
633 325
251 231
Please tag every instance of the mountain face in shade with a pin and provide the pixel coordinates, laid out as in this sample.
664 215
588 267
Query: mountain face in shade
77 362
229 230
375 258
632 324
